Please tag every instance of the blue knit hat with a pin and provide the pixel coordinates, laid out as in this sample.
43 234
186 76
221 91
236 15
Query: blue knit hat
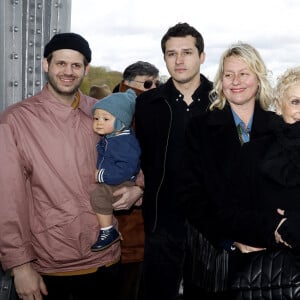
120 105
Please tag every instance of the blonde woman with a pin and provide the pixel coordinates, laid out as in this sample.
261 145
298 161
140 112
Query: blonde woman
238 114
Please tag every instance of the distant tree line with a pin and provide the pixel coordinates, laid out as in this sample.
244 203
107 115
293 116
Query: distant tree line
103 75
98 76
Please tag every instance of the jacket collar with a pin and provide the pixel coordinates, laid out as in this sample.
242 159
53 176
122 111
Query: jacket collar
168 89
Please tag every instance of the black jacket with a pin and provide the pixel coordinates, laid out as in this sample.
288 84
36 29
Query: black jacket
153 119
267 177
212 148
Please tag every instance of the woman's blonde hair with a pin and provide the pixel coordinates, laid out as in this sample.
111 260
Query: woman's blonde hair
289 78
255 63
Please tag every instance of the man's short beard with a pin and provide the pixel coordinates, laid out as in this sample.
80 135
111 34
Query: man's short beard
58 91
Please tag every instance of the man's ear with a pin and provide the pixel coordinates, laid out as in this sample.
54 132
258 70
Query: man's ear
202 57
87 69
45 65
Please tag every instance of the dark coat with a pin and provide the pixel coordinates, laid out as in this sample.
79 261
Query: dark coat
212 148
267 177
153 123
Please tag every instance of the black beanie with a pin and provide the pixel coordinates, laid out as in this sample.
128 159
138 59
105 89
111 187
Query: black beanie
69 40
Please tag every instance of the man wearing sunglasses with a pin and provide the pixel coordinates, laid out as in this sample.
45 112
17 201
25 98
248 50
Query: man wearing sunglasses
139 76
161 117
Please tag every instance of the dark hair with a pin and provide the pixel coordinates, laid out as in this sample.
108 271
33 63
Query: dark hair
182 30
140 68
99 91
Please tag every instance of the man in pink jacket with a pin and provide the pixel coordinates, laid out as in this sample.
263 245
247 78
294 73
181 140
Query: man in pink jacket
48 156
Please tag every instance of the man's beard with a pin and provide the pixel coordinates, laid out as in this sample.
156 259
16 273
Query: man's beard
59 91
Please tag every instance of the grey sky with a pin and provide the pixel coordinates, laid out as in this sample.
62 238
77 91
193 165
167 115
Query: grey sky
121 32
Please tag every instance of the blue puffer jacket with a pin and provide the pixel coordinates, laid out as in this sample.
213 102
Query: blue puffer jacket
118 158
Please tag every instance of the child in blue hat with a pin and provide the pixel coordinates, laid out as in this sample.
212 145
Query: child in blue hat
118 160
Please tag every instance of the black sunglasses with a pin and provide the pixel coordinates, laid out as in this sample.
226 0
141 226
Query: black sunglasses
148 83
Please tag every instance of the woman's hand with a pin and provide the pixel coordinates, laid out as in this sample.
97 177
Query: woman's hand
247 249
278 237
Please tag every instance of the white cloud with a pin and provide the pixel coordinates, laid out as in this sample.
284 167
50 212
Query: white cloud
121 32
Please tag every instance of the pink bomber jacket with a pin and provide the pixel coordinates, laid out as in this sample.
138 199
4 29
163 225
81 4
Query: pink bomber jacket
48 160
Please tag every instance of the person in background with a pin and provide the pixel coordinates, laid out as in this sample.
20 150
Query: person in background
139 76
99 91
161 117
48 156
238 115
118 160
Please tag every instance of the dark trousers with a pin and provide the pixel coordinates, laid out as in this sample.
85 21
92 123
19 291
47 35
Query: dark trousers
100 285
163 263
130 281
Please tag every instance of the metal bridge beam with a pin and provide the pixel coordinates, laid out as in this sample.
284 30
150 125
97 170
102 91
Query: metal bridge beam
26 26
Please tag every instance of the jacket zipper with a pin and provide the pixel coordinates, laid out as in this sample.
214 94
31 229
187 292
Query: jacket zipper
164 167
